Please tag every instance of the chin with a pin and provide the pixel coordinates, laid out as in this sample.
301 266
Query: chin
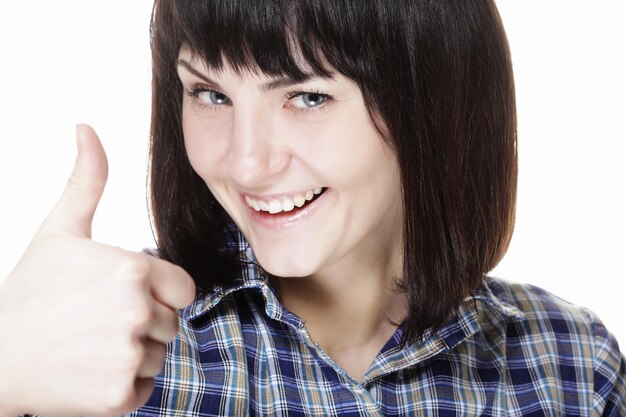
293 267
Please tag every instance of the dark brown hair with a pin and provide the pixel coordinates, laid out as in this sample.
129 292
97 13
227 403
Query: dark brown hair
436 73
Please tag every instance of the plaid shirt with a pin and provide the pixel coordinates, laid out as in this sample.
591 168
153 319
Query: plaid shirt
510 350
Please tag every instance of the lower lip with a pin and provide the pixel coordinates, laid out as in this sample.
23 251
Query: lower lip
286 219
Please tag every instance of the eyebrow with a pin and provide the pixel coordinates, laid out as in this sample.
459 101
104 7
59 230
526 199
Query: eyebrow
284 81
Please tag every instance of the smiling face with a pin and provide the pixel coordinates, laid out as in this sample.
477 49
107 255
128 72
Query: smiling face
299 167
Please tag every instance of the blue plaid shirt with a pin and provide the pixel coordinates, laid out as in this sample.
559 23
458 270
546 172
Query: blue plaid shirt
510 350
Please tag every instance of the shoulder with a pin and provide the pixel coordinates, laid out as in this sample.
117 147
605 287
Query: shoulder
552 317
541 306
568 337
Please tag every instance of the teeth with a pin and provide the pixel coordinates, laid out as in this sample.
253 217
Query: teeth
275 206
298 200
286 204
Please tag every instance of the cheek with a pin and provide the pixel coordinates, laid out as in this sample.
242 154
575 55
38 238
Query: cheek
346 152
205 143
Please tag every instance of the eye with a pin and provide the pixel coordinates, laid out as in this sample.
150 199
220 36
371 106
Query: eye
307 100
207 97
214 98
313 99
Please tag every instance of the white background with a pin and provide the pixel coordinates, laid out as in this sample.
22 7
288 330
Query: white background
65 62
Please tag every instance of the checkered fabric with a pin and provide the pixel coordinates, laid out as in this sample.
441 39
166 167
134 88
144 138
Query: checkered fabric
510 350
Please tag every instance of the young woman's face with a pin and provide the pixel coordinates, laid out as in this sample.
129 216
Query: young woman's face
299 167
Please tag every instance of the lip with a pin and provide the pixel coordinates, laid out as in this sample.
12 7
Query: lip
285 219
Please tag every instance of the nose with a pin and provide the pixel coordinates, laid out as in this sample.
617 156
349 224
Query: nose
257 154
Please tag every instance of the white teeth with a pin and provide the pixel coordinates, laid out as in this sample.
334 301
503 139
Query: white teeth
285 204
288 205
275 206
298 200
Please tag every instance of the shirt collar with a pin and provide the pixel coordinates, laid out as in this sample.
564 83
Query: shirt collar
486 312
487 307
464 323
476 310
252 278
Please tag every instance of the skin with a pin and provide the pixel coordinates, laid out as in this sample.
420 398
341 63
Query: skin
94 317
339 263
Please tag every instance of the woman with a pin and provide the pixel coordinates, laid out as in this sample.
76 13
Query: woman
337 178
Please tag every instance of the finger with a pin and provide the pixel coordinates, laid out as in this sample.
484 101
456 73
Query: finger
165 323
74 211
153 360
143 389
170 284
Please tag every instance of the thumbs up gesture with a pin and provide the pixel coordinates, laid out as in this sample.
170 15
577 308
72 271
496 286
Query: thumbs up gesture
83 325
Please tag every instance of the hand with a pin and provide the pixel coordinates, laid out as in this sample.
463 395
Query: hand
83 326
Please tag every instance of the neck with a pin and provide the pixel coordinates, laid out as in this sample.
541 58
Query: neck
350 310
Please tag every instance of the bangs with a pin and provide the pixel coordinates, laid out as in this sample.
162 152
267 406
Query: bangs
278 37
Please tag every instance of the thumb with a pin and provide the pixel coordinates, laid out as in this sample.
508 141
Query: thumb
74 211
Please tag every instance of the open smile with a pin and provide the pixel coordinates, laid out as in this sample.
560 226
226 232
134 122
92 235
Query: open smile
280 211
285 203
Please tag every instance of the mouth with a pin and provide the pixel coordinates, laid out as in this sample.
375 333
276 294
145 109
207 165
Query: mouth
284 210
286 203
